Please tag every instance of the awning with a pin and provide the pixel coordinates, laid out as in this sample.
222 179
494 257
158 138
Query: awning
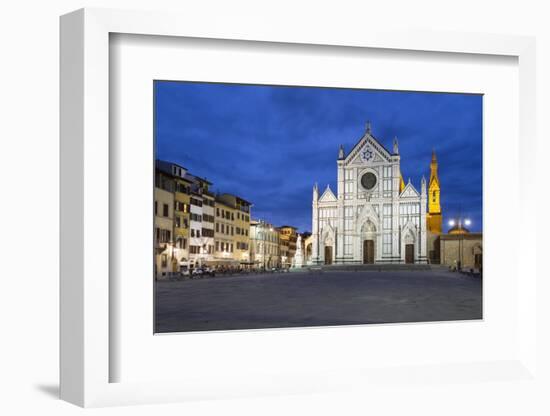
220 261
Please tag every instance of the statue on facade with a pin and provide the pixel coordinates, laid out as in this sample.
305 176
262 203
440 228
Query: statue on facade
299 255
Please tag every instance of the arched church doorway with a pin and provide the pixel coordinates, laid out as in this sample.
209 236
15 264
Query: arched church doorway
409 253
328 254
368 252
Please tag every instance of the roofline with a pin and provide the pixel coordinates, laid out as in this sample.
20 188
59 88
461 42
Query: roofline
221 202
390 154
171 163
237 197
201 179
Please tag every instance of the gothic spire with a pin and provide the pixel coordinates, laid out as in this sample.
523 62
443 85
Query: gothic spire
341 153
433 169
395 146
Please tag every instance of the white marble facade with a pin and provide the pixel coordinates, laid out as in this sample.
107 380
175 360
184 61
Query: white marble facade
374 217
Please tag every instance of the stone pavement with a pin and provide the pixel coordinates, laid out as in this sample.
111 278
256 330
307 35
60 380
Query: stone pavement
312 299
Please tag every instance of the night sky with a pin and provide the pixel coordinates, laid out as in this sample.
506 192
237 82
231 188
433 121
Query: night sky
269 145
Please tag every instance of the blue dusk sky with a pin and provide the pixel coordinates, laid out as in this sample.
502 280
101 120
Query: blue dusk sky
270 144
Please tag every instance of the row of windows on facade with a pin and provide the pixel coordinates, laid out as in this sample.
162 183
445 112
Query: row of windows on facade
244 208
228 247
200 203
205 232
162 235
209 248
165 209
230 215
350 186
162 182
230 230
182 207
386 222
266 236
183 189
350 189
269 249
201 218
182 222
287 231
409 211
405 208
186 189
225 246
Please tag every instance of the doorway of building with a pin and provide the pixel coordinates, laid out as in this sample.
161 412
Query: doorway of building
328 254
409 253
477 261
368 252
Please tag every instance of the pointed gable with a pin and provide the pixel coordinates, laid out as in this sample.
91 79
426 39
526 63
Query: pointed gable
328 196
368 141
409 192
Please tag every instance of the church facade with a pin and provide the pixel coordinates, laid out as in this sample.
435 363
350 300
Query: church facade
374 217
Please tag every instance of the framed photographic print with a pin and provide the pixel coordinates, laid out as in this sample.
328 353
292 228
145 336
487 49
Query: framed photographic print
371 248
286 212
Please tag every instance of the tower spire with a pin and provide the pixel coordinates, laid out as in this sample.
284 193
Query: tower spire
434 218
433 169
315 192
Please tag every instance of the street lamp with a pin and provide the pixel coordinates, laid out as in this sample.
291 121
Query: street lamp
459 230
459 221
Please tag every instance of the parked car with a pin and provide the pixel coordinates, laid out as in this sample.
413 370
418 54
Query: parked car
184 271
200 272
209 271
196 273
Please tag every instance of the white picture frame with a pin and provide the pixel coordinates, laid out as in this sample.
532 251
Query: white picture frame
86 301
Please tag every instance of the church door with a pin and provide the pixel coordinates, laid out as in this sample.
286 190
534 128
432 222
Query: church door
409 253
368 252
328 254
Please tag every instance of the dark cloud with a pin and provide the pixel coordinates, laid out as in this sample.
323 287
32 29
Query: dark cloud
270 144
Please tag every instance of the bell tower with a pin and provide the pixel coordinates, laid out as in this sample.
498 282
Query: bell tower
434 218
